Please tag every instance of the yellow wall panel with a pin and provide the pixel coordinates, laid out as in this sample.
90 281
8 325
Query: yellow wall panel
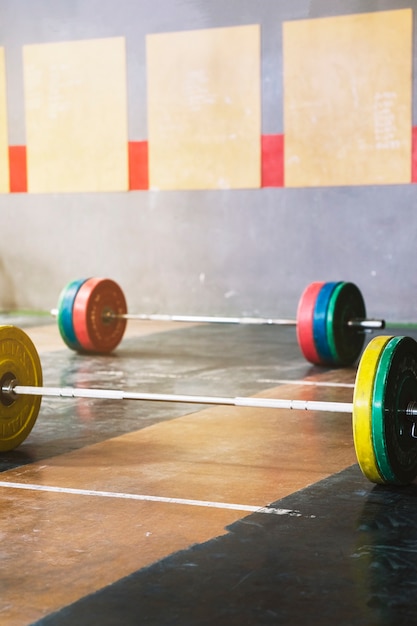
347 99
76 116
4 147
204 112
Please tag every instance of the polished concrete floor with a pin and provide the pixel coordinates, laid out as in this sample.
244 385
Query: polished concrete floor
128 512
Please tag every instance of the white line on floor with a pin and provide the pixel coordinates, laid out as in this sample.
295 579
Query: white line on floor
148 498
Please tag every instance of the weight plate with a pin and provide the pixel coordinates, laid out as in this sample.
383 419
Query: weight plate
320 323
362 408
95 302
345 343
395 386
19 361
65 313
305 314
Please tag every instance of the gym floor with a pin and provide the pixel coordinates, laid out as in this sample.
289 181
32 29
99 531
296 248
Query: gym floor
129 512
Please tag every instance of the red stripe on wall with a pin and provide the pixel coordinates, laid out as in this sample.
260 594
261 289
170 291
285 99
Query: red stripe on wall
138 165
272 160
17 169
414 155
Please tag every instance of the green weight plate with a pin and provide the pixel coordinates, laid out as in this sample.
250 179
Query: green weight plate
19 361
345 343
395 386
65 313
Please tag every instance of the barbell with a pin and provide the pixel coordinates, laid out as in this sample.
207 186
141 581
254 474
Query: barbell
331 319
384 406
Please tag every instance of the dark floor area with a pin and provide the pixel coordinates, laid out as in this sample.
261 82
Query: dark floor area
346 555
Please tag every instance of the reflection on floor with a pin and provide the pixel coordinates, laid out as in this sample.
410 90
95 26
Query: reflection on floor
123 512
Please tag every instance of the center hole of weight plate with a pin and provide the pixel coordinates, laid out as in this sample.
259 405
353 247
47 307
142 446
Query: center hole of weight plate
7 382
107 315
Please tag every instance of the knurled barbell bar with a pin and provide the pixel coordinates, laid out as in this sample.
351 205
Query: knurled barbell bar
331 319
384 407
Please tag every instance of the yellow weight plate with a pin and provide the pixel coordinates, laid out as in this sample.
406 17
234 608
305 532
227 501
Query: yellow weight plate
20 361
362 408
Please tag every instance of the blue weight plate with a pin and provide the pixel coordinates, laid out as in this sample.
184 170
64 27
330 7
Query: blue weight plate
65 314
320 323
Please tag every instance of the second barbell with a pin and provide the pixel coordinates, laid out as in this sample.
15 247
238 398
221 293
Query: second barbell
331 319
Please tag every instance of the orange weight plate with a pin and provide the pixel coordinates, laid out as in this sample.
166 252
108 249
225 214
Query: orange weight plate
305 319
97 307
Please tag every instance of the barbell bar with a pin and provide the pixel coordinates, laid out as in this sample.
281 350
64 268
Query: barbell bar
384 407
368 324
10 388
331 319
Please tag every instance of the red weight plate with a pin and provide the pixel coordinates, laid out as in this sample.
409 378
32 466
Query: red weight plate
305 317
95 328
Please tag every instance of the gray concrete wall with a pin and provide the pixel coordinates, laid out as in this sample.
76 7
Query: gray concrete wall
233 252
